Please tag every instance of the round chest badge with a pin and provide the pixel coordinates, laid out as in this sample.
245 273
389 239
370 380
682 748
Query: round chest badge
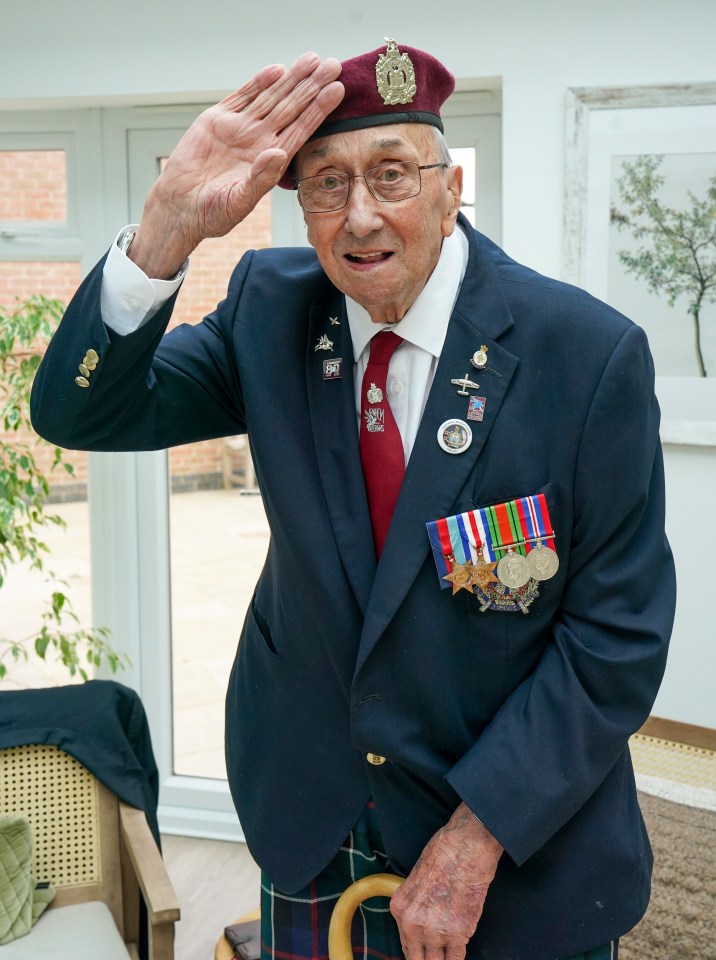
454 436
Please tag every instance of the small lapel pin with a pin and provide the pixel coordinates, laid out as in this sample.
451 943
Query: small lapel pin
335 322
323 343
479 358
464 382
476 408
333 369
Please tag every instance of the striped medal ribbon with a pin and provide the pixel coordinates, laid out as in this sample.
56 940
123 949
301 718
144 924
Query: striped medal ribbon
511 532
513 539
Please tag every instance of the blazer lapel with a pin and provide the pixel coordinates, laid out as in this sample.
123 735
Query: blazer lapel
434 478
335 437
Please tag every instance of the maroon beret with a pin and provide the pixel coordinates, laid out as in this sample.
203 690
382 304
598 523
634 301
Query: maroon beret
388 85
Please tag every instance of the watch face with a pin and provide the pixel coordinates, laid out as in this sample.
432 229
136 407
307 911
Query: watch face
125 240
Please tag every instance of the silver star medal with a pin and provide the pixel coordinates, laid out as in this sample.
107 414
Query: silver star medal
374 394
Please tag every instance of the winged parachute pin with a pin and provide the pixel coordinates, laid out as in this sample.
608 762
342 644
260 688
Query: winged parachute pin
323 343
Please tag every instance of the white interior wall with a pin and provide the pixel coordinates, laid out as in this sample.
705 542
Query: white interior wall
82 52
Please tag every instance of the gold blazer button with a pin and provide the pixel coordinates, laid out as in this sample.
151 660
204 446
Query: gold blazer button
375 759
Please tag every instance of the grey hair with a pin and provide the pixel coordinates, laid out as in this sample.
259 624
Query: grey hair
441 147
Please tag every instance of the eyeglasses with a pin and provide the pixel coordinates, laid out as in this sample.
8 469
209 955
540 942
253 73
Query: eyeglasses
387 182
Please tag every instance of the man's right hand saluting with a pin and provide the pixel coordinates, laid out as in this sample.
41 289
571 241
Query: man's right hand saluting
232 155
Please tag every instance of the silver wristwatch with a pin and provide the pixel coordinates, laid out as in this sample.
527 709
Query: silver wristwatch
126 239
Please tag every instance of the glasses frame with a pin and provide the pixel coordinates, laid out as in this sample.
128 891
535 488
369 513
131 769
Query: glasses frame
362 176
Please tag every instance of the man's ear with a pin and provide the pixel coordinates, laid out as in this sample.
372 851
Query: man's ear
453 183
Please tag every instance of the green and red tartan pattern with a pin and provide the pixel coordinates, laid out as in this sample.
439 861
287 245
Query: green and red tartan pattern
295 926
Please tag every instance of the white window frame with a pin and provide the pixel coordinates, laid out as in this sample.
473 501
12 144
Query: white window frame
79 238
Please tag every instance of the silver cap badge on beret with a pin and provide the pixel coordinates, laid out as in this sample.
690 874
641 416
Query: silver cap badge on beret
395 76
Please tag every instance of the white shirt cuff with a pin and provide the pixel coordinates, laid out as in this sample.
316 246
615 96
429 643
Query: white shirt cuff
129 298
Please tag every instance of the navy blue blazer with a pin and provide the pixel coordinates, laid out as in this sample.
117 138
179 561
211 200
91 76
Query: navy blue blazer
524 717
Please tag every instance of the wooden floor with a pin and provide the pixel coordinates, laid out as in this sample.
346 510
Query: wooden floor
216 882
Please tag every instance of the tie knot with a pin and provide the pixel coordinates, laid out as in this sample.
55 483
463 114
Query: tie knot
383 346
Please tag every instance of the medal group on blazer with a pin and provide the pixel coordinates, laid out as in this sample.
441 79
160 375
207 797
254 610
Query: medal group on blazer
499 553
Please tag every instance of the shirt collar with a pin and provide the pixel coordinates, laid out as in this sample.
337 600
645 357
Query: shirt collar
425 324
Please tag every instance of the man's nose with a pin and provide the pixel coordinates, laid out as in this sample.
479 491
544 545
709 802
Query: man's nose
363 213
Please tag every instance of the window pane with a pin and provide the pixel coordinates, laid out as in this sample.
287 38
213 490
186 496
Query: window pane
218 545
219 535
33 185
26 592
18 281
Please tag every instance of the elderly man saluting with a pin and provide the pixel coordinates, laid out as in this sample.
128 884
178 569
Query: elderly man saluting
468 594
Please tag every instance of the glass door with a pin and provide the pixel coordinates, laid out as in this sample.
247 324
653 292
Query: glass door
216 531
48 235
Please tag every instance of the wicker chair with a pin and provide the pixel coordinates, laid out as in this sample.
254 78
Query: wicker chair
92 847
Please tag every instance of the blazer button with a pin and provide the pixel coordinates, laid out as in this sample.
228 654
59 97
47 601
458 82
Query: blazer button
375 759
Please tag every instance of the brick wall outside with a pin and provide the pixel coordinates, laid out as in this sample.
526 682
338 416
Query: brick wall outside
200 464
18 281
33 185
193 466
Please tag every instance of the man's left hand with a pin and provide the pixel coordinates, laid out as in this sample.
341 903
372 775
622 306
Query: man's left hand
438 906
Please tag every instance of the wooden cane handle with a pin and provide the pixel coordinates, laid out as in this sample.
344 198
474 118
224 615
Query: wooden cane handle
339 929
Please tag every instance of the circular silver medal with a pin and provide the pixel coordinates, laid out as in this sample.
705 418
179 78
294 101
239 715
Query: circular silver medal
513 570
543 562
454 436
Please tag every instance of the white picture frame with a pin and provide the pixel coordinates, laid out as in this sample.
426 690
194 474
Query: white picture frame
604 125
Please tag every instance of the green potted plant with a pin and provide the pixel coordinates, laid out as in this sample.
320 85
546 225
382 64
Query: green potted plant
24 502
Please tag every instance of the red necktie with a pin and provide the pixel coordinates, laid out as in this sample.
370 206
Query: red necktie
381 446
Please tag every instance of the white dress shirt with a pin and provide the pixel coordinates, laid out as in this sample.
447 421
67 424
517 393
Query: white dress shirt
423 328
129 299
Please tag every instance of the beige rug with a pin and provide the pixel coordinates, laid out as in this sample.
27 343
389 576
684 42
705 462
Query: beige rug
680 923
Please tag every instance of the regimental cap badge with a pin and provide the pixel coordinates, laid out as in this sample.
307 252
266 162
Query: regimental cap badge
395 76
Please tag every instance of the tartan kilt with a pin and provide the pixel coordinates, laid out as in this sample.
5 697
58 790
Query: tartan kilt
295 926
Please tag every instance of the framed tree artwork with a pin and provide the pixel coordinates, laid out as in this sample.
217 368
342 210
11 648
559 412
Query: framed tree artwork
640 231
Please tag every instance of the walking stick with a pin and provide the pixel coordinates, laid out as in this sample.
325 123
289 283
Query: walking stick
339 929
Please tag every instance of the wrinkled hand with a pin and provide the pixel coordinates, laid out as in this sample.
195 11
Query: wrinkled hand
232 155
438 906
